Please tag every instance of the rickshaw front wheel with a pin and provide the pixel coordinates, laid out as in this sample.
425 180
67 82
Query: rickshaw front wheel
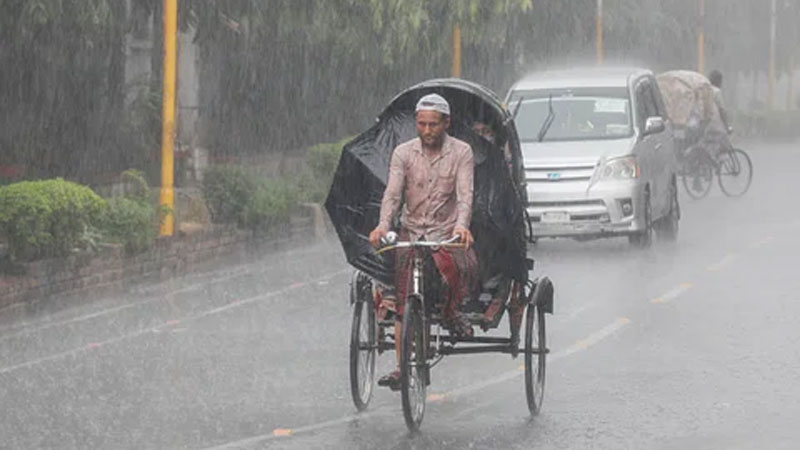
413 364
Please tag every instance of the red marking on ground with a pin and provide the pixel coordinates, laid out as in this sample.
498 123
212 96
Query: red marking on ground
296 285
173 322
282 432
93 345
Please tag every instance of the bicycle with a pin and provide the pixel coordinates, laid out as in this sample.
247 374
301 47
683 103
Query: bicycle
732 166
424 344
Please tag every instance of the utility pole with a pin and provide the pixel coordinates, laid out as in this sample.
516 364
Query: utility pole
790 97
701 38
772 26
599 33
455 67
167 197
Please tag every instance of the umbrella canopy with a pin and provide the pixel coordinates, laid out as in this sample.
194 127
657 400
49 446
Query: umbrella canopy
686 93
498 222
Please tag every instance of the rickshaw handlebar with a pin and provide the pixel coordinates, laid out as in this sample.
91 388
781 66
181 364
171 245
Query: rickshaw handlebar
450 243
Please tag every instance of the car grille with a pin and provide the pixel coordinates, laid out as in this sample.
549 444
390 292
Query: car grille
559 173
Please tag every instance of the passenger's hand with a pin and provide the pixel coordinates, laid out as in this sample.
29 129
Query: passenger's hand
464 236
376 235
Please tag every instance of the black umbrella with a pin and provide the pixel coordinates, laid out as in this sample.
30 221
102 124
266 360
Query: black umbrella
353 202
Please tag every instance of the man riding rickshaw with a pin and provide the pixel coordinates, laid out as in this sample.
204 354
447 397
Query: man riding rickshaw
424 195
701 127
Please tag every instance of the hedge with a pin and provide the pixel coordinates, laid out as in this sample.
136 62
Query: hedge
47 218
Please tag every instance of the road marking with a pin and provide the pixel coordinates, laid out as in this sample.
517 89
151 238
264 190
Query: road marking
673 294
436 397
32 327
722 263
73 352
159 328
576 312
580 345
594 338
762 242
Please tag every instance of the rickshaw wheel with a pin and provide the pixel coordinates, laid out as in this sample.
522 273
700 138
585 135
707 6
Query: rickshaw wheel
698 173
535 356
413 365
363 351
735 172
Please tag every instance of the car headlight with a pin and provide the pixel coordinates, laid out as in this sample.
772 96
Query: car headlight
620 169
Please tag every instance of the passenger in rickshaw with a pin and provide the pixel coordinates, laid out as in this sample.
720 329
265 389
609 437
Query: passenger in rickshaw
484 130
433 173
495 285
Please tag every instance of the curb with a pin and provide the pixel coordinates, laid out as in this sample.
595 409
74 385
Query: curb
110 269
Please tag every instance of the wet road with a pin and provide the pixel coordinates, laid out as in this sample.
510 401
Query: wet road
686 345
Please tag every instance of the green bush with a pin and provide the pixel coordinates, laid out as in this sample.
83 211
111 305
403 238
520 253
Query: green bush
321 160
237 195
46 218
227 190
131 223
133 219
269 205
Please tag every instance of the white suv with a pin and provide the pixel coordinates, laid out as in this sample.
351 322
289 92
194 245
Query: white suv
599 154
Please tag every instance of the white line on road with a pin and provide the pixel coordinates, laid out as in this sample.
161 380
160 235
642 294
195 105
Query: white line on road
762 242
282 433
31 328
572 315
673 294
170 323
722 263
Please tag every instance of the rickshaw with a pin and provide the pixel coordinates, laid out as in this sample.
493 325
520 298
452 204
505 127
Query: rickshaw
689 99
501 236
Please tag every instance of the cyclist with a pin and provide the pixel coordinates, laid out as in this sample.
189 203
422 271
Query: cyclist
719 127
433 173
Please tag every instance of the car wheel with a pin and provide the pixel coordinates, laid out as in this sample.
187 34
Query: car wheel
644 238
667 227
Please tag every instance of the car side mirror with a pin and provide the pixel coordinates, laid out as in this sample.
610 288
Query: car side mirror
654 125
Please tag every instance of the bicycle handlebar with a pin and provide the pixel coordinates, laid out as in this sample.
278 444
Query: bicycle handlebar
450 243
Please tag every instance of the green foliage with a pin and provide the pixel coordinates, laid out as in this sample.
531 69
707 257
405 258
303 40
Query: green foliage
269 205
133 219
130 222
227 190
321 161
236 195
46 218
136 185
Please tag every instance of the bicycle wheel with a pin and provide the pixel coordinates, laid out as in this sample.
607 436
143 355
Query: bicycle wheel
535 356
413 364
735 172
363 352
698 173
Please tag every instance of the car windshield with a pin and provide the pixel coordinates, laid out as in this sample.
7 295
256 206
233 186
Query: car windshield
579 114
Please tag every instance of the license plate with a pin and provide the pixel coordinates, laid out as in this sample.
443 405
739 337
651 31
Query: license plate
555 217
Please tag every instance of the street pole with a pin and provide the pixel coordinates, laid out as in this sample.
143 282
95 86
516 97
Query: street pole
790 97
701 39
167 197
455 68
772 23
599 33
